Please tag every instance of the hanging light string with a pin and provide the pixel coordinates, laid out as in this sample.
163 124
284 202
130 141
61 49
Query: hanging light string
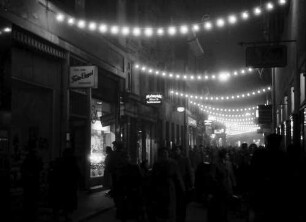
241 109
238 132
242 128
224 113
239 126
182 30
227 115
234 120
221 76
222 98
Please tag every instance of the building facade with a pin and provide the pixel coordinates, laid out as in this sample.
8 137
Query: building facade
289 81
44 104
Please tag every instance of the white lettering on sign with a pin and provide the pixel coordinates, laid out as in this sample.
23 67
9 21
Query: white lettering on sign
154 98
83 76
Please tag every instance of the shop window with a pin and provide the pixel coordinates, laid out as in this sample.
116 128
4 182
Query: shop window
292 100
277 117
302 87
102 135
129 77
291 128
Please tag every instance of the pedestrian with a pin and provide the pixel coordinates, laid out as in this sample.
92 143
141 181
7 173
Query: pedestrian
31 169
204 179
107 179
188 179
69 177
222 190
54 188
167 184
117 167
269 181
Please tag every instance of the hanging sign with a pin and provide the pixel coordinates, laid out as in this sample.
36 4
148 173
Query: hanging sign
83 77
154 98
266 56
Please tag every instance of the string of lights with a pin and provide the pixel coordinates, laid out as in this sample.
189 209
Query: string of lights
235 120
234 128
5 30
150 31
225 109
222 98
222 114
238 132
221 76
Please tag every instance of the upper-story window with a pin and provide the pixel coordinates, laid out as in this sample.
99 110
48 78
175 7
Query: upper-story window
292 99
302 87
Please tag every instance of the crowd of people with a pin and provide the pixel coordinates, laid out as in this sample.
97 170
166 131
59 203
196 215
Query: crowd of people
62 179
254 183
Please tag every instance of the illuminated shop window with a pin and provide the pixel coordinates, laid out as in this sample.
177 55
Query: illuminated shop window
102 135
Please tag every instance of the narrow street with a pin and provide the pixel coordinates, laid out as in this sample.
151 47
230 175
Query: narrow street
129 108
195 213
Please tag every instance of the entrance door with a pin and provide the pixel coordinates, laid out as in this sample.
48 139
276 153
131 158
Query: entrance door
78 143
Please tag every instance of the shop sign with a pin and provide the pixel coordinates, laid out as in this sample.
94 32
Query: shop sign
83 77
218 131
264 114
208 130
266 56
154 98
107 119
192 122
304 116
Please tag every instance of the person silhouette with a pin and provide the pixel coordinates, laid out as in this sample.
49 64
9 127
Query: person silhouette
30 170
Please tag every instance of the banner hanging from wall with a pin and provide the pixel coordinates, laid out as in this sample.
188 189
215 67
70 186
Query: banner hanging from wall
83 77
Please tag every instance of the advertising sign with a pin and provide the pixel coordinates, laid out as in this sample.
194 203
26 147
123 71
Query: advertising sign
191 122
264 114
218 131
266 56
83 77
154 98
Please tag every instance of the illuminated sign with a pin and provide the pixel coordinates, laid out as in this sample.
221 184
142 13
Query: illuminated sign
180 109
83 77
218 131
192 122
305 117
154 99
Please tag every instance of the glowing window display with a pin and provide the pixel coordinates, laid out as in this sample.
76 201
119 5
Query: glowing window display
101 136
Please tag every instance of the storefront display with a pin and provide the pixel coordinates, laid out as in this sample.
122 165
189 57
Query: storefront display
101 136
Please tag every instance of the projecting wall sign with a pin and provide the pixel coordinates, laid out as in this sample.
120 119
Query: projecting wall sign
154 98
83 77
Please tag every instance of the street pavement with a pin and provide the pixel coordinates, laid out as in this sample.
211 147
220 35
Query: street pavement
94 207
195 213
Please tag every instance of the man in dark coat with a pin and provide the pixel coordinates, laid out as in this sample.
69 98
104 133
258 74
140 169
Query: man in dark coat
167 187
188 178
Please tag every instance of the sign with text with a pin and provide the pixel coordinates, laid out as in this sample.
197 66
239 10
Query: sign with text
264 114
83 77
154 98
266 56
191 122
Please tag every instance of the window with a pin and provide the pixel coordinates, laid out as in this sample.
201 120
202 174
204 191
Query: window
302 87
129 78
172 132
292 100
